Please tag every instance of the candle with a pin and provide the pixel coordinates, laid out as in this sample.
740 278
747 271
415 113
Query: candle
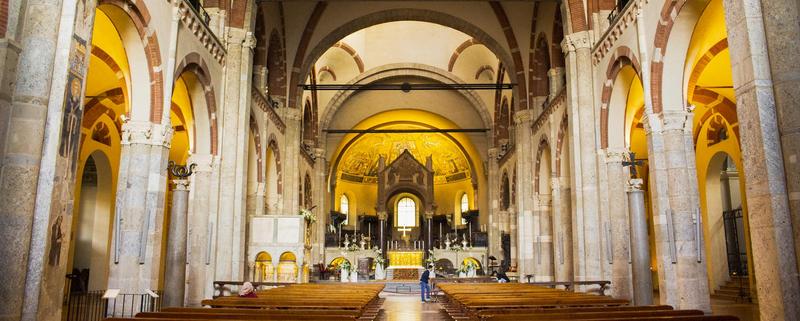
440 233
369 232
470 232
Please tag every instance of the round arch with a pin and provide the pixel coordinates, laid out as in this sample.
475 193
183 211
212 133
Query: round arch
392 15
194 70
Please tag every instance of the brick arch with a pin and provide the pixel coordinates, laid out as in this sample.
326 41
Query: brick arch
505 191
352 52
307 189
260 51
482 69
140 16
540 65
327 69
105 57
622 57
502 121
562 134
273 145
519 69
669 12
3 18
309 121
716 103
255 132
303 62
557 55
701 65
276 67
195 64
463 46
544 145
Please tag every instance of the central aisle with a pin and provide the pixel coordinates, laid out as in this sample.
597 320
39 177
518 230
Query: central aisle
407 307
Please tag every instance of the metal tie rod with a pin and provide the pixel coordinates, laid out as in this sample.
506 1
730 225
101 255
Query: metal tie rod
406 87
406 131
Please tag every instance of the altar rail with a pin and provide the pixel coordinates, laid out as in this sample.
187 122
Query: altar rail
224 288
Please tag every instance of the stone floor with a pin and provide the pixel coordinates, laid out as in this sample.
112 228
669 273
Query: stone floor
407 307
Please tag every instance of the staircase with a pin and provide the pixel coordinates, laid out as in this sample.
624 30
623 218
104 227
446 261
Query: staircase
731 291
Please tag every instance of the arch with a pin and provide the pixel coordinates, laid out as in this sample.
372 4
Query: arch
577 15
288 256
544 146
307 196
404 69
338 261
557 55
327 69
671 13
303 63
622 57
146 48
505 194
272 145
407 210
562 132
309 124
352 52
540 65
463 46
502 123
701 65
264 267
276 67
255 133
194 64
482 69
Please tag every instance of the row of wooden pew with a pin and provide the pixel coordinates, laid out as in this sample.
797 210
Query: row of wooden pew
339 302
519 301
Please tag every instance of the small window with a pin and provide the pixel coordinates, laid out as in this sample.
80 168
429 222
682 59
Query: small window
464 207
344 208
406 212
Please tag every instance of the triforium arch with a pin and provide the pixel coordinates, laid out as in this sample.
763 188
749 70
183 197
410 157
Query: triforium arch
193 63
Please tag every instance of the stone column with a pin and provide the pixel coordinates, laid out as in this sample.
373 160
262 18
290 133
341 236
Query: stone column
621 281
557 80
256 202
233 155
580 99
175 274
562 230
642 277
202 208
320 172
684 203
543 238
292 179
767 89
493 191
139 216
523 119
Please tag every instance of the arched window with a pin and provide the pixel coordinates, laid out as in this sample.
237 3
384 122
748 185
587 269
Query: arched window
344 208
406 212
464 207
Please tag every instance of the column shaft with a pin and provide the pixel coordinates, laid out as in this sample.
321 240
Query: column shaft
175 274
640 249
621 282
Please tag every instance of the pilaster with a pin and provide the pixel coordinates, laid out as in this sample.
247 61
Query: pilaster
619 229
291 162
201 228
524 205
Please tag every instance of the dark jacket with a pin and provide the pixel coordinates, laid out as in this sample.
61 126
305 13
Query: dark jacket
425 276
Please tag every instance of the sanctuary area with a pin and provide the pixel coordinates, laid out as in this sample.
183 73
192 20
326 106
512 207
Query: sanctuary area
325 160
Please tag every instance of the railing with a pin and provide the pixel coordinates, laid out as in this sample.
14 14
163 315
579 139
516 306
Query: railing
614 14
92 306
734 242
201 12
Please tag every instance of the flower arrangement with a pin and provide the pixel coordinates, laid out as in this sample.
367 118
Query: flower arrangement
345 266
431 258
467 267
456 248
308 215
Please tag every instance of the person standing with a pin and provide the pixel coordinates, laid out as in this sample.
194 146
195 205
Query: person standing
424 289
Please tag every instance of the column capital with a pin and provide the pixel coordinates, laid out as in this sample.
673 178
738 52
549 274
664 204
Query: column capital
557 71
205 162
319 153
635 184
293 114
578 40
493 152
147 133
678 119
180 184
523 116
249 41
382 215
615 155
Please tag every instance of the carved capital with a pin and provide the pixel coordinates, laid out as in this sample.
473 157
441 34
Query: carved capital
205 163
677 119
249 41
523 116
615 155
576 41
293 114
180 184
382 215
147 133
635 184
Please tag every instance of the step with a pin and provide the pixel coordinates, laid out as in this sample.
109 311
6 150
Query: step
729 297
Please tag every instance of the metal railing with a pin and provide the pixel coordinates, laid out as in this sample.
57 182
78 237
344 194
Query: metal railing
92 306
735 242
618 9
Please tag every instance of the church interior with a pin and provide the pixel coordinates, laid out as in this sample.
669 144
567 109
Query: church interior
612 159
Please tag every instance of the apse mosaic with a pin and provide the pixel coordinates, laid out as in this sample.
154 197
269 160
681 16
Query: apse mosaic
360 162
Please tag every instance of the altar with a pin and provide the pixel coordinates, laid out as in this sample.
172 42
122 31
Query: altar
404 265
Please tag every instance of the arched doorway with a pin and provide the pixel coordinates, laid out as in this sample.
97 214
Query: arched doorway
287 268
263 270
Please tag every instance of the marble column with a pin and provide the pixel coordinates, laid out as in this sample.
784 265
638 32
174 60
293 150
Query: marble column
230 260
139 216
580 100
202 208
523 119
320 172
765 63
642 277
175 274
621 280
